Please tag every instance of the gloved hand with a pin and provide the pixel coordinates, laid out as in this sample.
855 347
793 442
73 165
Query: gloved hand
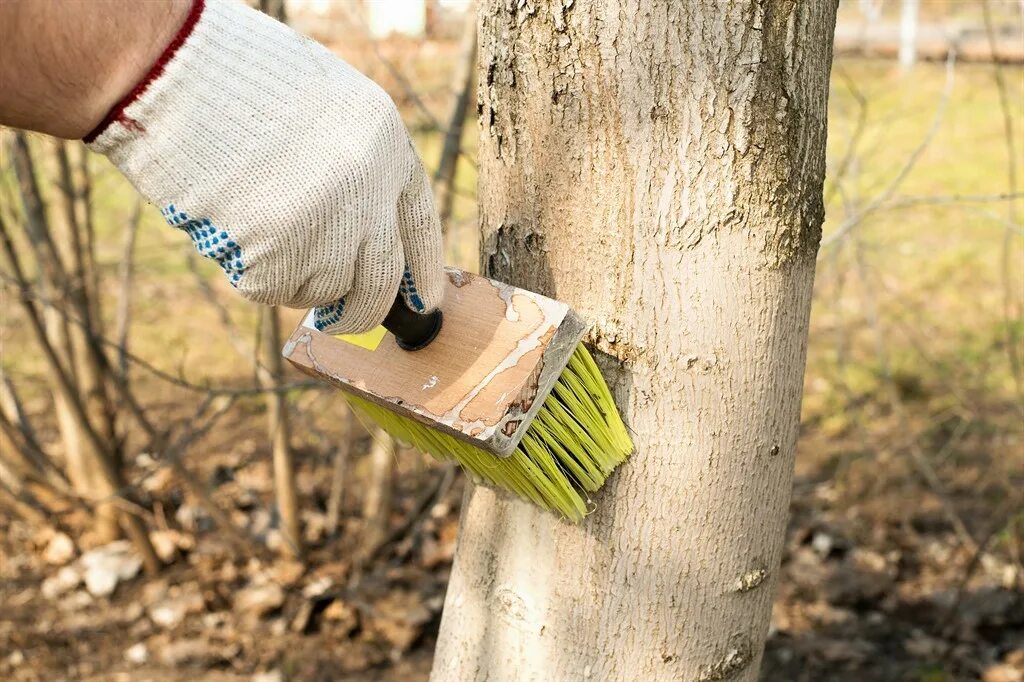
285 165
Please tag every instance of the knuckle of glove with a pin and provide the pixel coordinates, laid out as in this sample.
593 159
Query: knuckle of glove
260 290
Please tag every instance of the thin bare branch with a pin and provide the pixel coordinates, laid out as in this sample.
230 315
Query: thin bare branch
126 270
85 180
444 177
409 91
882 197
244 350
15 424
946 199
339 469
157 372
20 503
1010 292
63 381
36 221
105 459
835 178
80 274
279 425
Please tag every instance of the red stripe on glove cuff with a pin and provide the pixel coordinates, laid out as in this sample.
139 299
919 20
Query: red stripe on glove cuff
117 112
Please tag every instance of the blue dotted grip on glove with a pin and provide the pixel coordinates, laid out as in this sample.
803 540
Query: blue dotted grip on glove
210 241
408 290
215 243
326 315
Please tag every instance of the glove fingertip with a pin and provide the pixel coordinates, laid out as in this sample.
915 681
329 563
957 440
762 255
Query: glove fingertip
410 292
424 293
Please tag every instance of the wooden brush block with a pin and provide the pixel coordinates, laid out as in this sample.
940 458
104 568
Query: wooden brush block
482 379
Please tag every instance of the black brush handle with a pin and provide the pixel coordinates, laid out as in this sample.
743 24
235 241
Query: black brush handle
412 330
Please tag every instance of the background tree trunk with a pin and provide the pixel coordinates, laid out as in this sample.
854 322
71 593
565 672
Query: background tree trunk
283 458
377 495
275 8
659 166
339 473
279 430
908 34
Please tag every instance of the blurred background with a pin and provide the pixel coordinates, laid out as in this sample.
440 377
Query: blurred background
176 504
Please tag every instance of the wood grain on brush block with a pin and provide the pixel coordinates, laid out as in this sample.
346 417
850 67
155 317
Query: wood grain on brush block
482 379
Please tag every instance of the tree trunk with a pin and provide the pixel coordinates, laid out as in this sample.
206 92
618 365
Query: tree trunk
908 34
339 473
658 166
280 434
275 8
377 496
277 404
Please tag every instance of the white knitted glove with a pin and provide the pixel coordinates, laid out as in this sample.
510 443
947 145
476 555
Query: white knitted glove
285 165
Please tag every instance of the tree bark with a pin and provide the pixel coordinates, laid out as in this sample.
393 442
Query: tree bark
658 166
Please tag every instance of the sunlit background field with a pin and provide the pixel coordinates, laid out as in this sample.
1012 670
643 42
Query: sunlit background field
905 552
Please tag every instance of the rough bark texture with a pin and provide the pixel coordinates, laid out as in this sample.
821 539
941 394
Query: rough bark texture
659 167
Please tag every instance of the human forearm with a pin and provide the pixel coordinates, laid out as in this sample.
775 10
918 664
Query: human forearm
282 163
64 65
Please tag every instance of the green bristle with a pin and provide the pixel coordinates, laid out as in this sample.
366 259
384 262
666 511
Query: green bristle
570 448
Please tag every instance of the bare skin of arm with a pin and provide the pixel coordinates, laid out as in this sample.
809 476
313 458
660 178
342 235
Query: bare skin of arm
64 65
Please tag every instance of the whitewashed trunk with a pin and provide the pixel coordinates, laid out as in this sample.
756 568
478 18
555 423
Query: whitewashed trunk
908 34
658 166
